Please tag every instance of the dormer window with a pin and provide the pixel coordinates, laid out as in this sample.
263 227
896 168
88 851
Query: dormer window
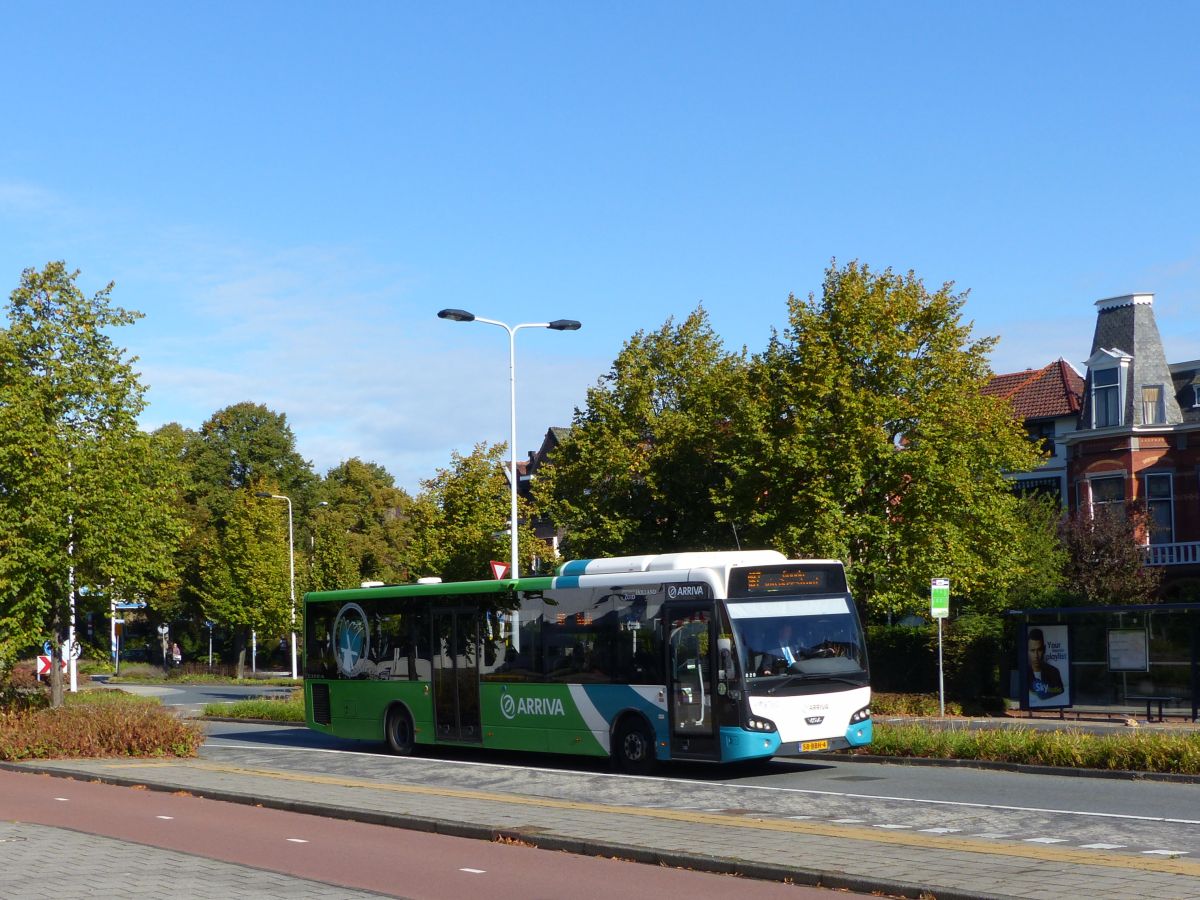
1106 398
1196 395
1152 405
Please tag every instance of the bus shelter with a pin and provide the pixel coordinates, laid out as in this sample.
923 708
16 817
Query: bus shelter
1108 659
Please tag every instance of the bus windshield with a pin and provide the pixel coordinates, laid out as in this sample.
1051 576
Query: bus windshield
810 637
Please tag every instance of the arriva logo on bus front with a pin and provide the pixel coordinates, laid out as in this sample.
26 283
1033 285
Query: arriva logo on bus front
531 706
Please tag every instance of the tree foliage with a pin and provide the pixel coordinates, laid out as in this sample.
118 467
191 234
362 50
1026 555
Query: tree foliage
638 470
1104 556
84 495
363 532
239 450
243 569
461 519
866 437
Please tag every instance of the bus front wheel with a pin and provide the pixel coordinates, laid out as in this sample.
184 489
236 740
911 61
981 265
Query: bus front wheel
400 735
633 747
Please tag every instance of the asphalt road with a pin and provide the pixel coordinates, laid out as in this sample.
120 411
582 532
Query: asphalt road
1127 816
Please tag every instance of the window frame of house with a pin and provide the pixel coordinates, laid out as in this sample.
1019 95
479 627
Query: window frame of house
1042 434
1154 402
1110 392
1110 477
1164 501
1196 396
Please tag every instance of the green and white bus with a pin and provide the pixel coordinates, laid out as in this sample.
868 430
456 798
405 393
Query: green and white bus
717 656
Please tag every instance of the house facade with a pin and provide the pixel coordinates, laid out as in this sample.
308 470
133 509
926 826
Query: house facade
1048 401
1138 432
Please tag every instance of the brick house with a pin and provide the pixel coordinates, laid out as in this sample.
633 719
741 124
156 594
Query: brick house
1127 431
1138 434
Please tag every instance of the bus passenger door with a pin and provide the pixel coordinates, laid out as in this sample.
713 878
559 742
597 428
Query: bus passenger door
456 675
691 679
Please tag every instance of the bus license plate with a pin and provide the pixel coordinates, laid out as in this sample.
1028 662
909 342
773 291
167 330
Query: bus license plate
809 746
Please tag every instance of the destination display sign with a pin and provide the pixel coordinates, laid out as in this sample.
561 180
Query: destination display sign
787 578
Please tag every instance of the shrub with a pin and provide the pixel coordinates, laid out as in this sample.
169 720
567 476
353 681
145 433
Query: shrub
892 704
97 724
904 660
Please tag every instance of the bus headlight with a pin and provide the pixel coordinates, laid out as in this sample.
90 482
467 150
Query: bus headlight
754 723
861 716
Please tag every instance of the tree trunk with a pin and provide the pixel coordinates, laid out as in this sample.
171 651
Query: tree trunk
56 679
239 650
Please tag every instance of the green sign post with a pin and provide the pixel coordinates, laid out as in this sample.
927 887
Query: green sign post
939 608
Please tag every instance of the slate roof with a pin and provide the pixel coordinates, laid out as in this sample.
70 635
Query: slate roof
1046 393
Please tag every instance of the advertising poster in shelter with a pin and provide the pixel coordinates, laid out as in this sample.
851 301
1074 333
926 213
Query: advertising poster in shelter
1047 669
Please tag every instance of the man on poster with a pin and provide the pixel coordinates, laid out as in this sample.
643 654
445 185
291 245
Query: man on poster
1045 681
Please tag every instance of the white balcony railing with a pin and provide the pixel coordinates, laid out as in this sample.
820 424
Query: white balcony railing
1187 553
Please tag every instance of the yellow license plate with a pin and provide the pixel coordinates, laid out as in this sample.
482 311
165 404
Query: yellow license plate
807 746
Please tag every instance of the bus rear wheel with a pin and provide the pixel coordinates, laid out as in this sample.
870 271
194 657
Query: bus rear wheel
401 737
633 747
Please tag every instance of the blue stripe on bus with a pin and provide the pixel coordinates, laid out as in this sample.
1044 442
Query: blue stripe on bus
860 734
575 567
737 743
567 581
611 700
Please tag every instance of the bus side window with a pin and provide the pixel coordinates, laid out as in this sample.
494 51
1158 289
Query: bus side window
638 643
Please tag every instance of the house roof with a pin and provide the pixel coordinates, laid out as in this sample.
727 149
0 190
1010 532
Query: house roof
1051 391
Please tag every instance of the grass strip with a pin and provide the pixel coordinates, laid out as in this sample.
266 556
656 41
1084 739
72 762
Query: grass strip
289 709
1137 751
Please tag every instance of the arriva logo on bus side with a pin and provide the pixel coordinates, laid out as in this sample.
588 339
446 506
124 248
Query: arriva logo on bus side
685 590
531 706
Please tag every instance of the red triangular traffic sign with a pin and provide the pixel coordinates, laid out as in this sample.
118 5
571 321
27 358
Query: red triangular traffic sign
499 569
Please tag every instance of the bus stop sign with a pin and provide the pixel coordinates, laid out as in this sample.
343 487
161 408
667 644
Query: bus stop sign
939 598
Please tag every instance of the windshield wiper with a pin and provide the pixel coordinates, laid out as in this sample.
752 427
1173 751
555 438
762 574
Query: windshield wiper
793 679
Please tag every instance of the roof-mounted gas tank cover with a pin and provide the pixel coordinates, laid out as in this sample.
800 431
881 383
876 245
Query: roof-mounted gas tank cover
663 562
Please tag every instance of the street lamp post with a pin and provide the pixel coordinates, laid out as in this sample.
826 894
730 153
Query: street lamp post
291 571
461 315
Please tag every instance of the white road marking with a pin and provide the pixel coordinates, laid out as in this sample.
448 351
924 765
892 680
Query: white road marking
941 830
1101 846
63 799
848 821
1044 840
991 835
893 826
798 817
167 818
1165 852
474 871
297 841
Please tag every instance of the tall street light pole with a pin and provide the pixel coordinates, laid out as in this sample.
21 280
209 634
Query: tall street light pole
461 315
291 570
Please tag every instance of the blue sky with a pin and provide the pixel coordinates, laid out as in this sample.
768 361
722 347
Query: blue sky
290 191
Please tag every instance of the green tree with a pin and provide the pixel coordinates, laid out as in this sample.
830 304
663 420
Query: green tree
237 449
241 445
331 566
1104 562
243 571
865 437
637 472
461 519
367 516
84 498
